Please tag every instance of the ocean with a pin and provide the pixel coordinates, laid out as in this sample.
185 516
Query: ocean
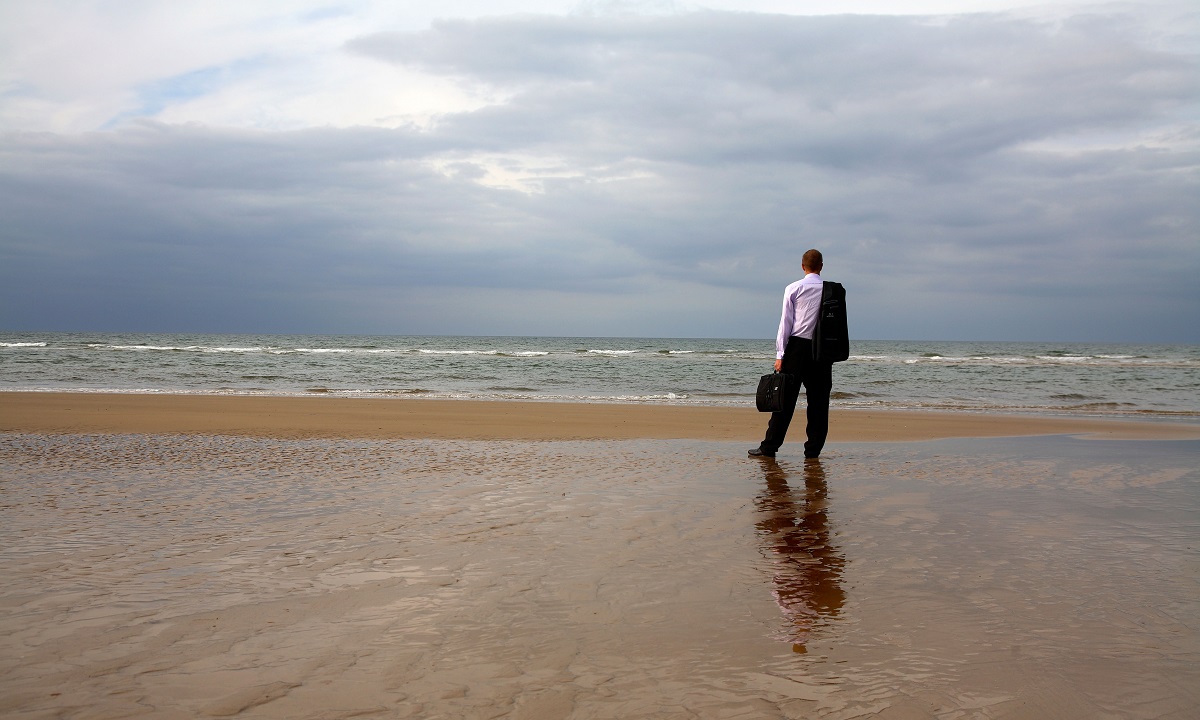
1055 378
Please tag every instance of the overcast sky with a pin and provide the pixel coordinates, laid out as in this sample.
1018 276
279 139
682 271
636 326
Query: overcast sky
972 170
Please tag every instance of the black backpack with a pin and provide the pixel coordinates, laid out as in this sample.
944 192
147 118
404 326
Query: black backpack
831 342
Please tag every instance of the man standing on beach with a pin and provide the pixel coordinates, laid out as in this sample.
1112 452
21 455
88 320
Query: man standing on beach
794 355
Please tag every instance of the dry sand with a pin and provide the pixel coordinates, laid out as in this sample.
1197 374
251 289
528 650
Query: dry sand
313 558
319 417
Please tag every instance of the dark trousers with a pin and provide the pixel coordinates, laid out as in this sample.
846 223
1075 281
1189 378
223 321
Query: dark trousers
817 379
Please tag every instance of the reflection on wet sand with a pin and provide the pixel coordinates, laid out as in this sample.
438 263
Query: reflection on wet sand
795 530
182 576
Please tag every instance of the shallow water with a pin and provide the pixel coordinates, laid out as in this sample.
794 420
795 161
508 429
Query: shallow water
189 576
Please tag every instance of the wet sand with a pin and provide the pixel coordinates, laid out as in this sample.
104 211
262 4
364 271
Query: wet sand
214 575
323 417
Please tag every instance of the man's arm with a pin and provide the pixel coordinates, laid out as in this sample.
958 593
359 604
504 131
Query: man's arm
786 320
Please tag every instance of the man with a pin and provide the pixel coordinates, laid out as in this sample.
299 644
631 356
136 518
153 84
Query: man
794 355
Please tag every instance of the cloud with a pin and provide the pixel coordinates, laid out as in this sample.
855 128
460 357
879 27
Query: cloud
843 92
981 176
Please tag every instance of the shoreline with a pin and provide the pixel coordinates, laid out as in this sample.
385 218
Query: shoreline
439 419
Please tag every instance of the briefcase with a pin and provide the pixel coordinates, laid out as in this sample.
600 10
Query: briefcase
772 389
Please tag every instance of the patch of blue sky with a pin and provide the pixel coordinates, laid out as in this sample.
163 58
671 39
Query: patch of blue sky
184 87
326 13
15 89
154 97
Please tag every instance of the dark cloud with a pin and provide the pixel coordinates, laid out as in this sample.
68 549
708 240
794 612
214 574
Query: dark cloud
969 177
845 92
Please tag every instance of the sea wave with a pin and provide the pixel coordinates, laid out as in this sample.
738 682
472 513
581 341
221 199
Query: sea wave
177 348
1030 361
1048 359
1101 379
844 400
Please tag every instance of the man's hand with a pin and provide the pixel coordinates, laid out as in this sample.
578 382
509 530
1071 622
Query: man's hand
778 364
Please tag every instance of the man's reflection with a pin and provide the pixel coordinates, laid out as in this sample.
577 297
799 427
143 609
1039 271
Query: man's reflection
795 530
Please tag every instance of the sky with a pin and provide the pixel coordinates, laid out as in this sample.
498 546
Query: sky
972 170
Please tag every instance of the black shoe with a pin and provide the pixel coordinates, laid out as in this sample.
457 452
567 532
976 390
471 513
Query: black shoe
759 452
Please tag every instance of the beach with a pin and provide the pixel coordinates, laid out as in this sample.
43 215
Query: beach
414 418
181 556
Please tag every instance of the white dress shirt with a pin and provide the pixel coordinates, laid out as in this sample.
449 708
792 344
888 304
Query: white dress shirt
801 306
